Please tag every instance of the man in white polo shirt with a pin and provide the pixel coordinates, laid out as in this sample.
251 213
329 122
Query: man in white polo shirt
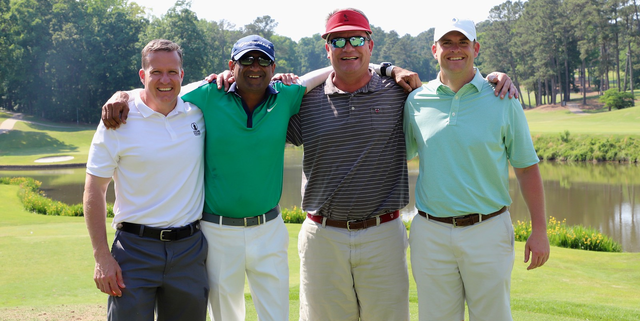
156 265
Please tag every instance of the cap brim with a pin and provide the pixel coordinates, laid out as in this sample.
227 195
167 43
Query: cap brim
345 28
241 53
458 30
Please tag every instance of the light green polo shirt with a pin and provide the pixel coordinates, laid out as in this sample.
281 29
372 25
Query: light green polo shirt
465 142
244 154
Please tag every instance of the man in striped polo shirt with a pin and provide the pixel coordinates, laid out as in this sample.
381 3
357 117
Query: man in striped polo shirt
352 245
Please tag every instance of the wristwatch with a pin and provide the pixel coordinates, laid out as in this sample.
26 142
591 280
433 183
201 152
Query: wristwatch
385 69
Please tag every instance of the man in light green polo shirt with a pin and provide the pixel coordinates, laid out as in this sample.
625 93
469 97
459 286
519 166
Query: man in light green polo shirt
462 241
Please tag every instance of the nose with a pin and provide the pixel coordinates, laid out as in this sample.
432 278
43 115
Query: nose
348 46
166 78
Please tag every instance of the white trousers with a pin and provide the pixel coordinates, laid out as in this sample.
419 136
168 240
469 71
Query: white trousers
454 264
353 275
260 252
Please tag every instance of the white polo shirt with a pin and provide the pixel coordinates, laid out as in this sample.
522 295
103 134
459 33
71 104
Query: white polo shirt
156 163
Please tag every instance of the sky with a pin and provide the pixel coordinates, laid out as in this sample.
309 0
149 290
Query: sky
304 18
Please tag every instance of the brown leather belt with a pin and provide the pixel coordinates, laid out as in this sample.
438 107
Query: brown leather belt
355 225
464 220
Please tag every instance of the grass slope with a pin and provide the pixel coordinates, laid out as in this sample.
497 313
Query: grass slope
47 269
616 122
30 141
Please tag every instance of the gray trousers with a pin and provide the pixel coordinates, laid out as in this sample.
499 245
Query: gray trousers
167 279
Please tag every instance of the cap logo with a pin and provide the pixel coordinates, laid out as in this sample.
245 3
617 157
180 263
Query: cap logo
244 44
346 18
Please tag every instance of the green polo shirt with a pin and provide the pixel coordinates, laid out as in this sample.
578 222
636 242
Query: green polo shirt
244 152
465 141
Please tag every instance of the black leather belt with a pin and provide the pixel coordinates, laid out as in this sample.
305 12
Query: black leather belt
162 234
244 221
465 220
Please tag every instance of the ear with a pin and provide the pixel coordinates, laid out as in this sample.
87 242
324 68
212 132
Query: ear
434 49
231 65
142 75
181 74
476 48
328 49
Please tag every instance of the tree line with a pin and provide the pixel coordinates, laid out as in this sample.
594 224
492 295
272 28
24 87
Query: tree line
62 59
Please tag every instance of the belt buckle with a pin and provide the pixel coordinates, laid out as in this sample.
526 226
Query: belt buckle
453 222
349 224
162 235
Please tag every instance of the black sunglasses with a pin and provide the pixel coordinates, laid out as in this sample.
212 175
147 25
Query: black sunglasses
248 61
354 41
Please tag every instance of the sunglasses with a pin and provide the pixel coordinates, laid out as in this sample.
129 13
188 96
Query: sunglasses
354 41
248 61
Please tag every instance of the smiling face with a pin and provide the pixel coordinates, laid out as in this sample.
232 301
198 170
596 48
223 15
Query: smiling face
350 61
455 54
253 78
161 77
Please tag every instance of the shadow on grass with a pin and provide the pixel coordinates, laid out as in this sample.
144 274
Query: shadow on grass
21 143
58 127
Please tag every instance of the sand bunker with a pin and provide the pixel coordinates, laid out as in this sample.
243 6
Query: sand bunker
53 159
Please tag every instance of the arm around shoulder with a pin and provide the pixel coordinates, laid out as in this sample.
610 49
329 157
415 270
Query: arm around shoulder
116 110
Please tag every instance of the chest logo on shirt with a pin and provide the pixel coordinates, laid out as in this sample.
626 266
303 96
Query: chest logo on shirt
270 109
196 131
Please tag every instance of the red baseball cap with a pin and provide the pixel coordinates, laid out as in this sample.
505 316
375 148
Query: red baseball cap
346 20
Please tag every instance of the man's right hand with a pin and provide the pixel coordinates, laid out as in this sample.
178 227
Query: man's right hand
116 110
108 276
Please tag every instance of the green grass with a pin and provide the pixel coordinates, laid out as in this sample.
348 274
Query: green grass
4 116
47 268
617 122
28 142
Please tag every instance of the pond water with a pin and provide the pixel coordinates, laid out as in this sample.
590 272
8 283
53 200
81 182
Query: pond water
603 196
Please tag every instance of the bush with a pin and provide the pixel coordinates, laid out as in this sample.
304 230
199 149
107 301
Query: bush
612 98
563 147
35 201
294 215
573 237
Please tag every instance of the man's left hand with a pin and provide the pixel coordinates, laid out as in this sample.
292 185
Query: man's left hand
504 84
536 248
224 78
407 79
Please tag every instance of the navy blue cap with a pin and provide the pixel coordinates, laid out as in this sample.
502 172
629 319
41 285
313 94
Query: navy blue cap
250 43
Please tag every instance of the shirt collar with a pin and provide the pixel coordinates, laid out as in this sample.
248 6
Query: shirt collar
373 85
478 82
234 89
146 111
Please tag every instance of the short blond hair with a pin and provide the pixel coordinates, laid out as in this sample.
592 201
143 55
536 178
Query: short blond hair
160 45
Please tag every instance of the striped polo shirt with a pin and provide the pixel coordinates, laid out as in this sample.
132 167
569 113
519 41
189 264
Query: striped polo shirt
354 149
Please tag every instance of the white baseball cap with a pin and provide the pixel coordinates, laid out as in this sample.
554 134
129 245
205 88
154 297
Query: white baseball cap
466 27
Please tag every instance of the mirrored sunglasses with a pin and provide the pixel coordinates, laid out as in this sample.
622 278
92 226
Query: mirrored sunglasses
354 41
248 61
